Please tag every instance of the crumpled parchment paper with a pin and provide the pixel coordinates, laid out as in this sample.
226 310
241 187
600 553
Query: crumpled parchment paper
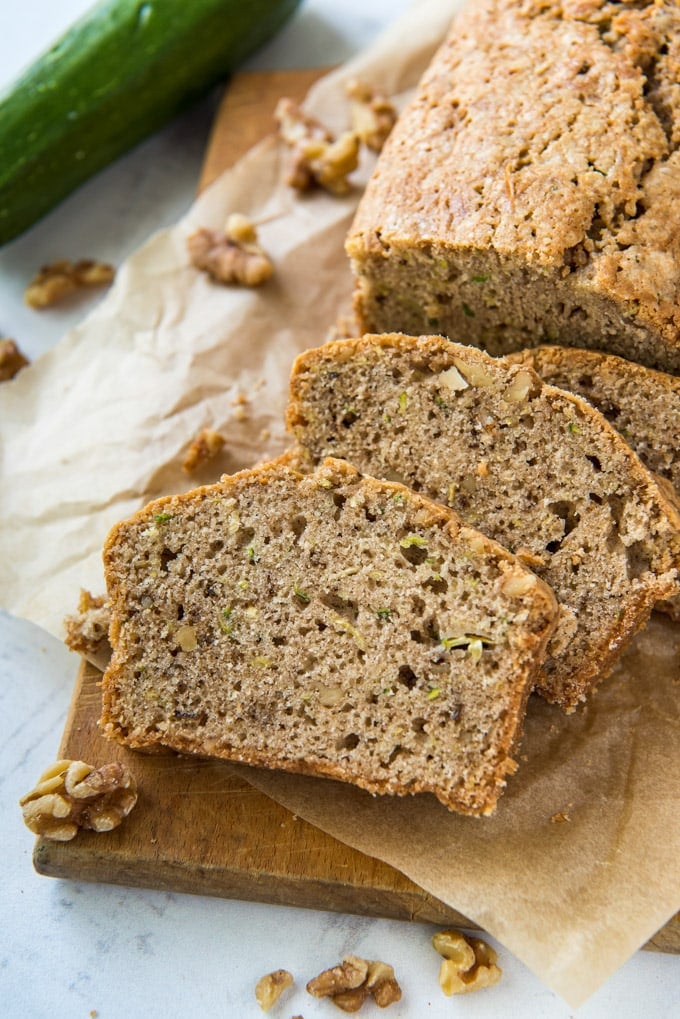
580 864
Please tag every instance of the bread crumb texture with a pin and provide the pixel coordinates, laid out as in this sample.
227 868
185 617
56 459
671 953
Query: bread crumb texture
529 193
643 405
328 624
557 485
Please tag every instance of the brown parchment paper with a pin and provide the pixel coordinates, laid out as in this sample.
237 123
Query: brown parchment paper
580 865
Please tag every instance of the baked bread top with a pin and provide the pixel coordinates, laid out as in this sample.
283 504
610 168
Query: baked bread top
546 134
329 624
536 468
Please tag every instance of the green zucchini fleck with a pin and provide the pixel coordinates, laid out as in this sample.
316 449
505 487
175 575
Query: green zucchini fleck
412 540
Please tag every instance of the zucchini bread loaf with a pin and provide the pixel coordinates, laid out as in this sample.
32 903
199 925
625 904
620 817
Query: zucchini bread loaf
536 468
328 624
530 192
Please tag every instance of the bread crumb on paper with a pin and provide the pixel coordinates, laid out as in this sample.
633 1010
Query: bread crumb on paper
205 447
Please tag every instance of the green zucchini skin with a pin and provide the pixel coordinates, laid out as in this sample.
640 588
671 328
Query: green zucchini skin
120 73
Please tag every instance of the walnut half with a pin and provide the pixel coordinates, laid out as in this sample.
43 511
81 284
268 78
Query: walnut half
232 257
468 964
349 984
72 795
317 158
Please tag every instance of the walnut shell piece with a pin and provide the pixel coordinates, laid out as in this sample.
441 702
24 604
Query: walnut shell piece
231 257
350 974
271 986
11 360
382 984
468 964
349 984
72 795
59 279
372 115
317 158
205 447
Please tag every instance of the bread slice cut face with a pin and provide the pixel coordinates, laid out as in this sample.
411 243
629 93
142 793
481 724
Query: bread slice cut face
535 468
642 404
329 624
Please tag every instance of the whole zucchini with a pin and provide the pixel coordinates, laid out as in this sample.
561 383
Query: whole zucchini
116 76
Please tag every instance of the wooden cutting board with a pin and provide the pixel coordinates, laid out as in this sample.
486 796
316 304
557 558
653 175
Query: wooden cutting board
199 826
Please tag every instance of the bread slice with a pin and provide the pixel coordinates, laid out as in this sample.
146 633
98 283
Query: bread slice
643 405
529 192
536 468
331 624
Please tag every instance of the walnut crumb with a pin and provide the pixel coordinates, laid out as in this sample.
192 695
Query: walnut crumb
373 116
11 360
205 447
468 963
317 159
271 986
72 795
349 984
231 257
560 818
59 279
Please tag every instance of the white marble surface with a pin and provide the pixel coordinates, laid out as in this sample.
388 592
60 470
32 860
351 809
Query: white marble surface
73 950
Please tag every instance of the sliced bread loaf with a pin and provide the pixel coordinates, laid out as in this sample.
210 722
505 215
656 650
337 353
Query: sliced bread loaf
537 468
530 191
329 624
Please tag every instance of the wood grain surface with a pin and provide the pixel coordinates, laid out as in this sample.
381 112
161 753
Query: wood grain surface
199 826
